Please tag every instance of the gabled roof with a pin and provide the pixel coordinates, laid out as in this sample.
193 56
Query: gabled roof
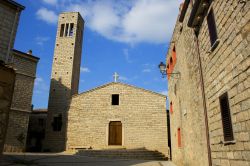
113 83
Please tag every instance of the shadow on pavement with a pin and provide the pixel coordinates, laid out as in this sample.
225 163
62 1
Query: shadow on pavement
56 159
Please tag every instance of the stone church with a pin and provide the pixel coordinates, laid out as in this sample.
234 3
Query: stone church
114 115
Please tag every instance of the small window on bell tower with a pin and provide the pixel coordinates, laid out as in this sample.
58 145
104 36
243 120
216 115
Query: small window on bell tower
71 29
67 30
62 30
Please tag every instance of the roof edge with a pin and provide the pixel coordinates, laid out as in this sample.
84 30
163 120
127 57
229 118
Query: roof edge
14 3
107 84
25 54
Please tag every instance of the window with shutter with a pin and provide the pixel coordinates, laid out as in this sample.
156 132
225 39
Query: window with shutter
226 118
179 137
212 27
171 107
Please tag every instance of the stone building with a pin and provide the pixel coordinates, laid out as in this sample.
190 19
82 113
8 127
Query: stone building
25 66
36 130
135 118
25 71
10 12
9 16
208 81
117 114
7 80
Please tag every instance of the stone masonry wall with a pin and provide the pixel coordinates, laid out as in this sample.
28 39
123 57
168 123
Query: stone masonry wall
64 78
25 66
17 131
7 17
142 114
185 95
7 80
225 69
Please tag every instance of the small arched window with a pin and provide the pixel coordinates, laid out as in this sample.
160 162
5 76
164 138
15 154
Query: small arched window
174 49
171 61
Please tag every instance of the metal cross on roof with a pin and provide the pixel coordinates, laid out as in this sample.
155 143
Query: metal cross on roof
116 77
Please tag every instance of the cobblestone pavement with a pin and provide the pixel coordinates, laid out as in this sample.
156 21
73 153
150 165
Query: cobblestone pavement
62 159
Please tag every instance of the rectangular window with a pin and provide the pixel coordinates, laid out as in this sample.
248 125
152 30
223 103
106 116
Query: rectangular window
115 99
179 137
226 118
57 123
62 30
71 29
212 27
67 30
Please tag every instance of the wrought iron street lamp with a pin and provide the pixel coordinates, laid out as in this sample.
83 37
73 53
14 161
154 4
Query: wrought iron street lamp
162 67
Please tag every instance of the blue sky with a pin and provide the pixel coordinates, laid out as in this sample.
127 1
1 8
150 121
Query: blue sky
129 37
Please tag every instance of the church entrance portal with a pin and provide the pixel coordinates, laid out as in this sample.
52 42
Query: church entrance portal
115 133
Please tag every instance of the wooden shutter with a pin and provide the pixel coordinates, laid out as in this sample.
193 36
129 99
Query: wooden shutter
226 118
174 56
179 137
212 27
171 107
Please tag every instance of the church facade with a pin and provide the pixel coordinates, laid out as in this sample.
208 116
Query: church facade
120 115
113 115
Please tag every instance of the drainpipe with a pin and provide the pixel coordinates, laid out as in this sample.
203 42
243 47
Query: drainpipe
204 102
12 36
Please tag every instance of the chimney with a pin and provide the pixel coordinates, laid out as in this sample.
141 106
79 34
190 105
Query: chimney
29 52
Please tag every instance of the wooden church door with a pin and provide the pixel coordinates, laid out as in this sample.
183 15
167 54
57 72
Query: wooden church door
115 133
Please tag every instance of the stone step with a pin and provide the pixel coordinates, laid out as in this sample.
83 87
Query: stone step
122 153
141 154
131 157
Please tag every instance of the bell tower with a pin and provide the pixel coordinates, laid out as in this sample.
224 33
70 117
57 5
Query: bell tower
64 78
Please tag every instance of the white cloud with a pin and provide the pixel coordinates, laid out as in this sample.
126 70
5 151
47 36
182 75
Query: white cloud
84 70
123 78
46 15
40 40
50 2
150 21
146 70
38 81
40 86
164 92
